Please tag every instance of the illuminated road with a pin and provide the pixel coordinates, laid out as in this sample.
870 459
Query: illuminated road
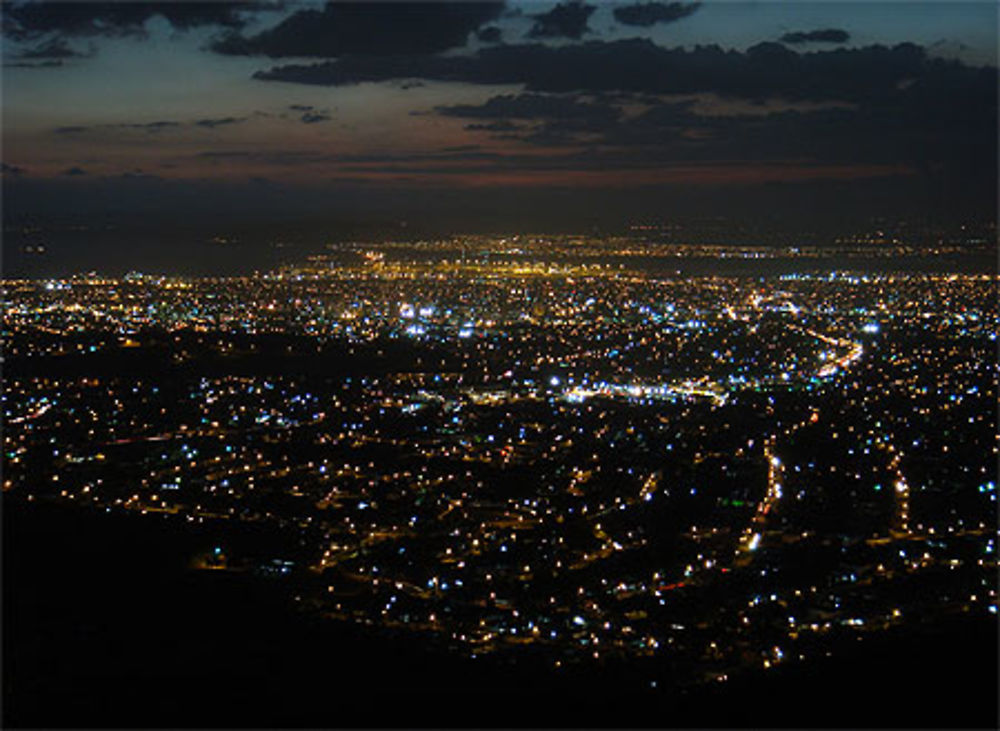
751 537
853 353
900 527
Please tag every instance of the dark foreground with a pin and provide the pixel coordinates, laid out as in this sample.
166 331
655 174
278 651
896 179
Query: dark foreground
104 625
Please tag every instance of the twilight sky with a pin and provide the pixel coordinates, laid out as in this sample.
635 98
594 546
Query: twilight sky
532 109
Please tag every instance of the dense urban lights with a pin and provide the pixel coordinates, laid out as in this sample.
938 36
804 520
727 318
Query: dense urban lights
524 457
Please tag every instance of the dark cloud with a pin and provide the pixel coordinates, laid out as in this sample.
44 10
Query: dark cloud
647 14
314 117
467 153
941 122
147 126
56 48
213 123
310 114
532 106
8 169
267 157
158 126
358 69
306 157
373 28
826 35
566 20
74 171
26 20
948 47
502 125
489 34
564 120
34 65
763 71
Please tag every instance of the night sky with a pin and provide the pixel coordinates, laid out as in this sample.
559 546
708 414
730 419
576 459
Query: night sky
496 116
